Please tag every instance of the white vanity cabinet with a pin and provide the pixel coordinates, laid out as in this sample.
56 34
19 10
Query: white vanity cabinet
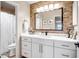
37 47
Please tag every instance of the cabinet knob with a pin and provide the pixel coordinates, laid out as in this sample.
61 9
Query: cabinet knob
65 45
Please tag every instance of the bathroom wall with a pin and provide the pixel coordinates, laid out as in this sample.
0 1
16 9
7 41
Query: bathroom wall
76 17
67 12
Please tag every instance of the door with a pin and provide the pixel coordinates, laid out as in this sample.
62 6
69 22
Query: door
36 50
47 51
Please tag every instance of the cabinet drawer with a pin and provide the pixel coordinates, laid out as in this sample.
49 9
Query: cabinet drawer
26 47
26 39
26 43
62 44
26 53
64 53
48 42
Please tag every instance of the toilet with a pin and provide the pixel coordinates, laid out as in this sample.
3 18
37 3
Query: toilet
12 50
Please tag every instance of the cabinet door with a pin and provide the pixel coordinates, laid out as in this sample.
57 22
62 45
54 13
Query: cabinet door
47 51
35 50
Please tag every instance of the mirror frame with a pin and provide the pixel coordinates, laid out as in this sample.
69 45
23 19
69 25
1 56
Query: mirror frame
48 30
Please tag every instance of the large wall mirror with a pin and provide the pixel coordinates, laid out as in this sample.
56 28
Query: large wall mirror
49 20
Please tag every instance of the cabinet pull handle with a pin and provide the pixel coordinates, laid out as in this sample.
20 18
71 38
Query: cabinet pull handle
65 55
65 45
25 39
25 45
39 48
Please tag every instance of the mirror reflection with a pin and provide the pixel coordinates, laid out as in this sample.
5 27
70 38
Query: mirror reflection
50 20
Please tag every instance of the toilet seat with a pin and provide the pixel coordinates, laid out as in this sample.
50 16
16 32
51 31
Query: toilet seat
12 46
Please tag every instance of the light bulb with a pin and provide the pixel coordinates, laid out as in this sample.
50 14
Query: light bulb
50 6
46 8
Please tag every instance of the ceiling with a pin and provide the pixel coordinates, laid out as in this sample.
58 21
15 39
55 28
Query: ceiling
31 2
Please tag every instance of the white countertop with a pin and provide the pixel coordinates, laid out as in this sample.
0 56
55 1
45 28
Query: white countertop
51 37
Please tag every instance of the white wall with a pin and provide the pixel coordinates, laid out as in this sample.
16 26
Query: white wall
22 13
75 13
76 16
